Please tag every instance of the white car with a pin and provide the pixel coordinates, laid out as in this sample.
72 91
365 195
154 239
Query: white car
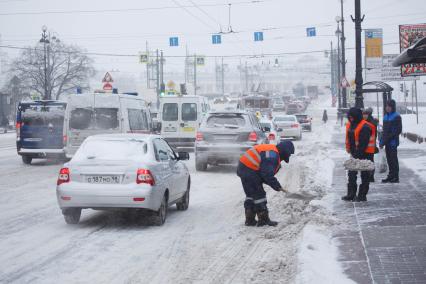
288 127
270 130
111 171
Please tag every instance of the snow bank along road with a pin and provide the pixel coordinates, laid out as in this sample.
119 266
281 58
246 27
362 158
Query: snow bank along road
206 244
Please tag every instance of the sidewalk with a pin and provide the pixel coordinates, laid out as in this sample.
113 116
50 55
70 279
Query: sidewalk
384 240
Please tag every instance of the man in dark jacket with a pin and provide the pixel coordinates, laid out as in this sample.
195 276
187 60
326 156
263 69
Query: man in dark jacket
358 135
392 128
256 167
368 116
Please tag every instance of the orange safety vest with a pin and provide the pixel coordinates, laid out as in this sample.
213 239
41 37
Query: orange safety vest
251 158
371 148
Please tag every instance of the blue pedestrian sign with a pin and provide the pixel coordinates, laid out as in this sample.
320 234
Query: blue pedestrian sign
216 39
258 36
174 41
310 32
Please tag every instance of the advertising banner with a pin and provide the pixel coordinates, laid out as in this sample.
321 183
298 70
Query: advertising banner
373 54
409 35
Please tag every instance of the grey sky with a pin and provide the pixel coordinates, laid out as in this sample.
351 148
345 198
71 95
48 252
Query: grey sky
126 32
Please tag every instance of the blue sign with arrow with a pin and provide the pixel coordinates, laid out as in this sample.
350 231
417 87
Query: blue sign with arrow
216 39
258 36
174 41
311 32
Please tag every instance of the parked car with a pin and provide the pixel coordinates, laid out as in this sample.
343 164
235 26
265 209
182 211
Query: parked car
180 119
278 104
305 121
224 136
270 130
103 113
132 171
39 126
288 127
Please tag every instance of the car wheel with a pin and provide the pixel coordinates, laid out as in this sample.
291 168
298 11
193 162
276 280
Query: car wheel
72 215
161 215
183 204
200 166
26 160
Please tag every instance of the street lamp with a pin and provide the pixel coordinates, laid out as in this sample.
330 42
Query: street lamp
45 40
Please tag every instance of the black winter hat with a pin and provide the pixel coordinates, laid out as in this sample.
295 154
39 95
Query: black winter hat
355 113
286 149
392 104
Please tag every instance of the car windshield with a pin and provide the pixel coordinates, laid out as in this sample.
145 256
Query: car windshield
226 120
94 118
38 115
112 149
284 118
266 124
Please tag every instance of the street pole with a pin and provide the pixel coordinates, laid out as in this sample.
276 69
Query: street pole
359 100
195 75
342 19
246 76
332 71
147 65
339 77
161 68
157 77
44 41
417 104
223 79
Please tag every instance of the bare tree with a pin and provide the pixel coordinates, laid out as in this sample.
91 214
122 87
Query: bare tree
53 69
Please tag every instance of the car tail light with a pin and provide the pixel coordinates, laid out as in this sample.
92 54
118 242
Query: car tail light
64 176
199 136
271 136
65 139
252 136
18 125
144 176
18 129
296 125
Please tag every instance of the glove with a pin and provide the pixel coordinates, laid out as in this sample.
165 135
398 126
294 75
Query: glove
283 190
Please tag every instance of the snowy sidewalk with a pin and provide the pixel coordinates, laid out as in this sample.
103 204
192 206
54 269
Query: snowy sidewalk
384 240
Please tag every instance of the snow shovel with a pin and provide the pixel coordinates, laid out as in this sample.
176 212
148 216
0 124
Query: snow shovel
299 195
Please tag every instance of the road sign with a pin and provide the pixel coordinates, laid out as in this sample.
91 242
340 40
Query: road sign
107 87
107 78
143 58
373 54
258 36
201 60
409 35
216 39
310 32
174 41
345 83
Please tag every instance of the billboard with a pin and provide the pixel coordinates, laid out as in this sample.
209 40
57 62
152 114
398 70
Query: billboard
373 54
390 73
409 35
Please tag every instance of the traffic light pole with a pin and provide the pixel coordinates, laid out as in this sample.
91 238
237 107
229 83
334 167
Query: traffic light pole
195 75
343 39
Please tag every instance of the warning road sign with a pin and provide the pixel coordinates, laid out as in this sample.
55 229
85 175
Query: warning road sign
107 78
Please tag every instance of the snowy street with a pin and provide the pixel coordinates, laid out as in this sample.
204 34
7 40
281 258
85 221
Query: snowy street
208 243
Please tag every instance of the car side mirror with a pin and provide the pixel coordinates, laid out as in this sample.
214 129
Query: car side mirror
183 156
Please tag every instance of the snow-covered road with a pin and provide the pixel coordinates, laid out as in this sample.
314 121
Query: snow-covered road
208 243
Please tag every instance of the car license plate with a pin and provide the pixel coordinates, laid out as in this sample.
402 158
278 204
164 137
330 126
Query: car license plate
103 179
189 129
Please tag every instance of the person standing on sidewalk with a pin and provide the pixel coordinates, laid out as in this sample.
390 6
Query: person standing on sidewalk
392 128
368 115
361 144
325 116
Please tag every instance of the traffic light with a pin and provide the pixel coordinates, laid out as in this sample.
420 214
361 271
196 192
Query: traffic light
183 89
401 87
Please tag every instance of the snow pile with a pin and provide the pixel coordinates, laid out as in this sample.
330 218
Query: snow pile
358 165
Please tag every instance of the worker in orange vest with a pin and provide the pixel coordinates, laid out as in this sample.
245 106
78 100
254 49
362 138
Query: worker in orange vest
361 144
256 167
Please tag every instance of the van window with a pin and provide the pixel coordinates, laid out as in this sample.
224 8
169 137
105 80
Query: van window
137 119
98 118
170 112
189 111
37 115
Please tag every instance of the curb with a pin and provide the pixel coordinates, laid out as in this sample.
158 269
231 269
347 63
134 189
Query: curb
414 137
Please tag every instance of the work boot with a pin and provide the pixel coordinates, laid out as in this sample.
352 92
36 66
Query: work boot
394 180
362 194
250 217
387 180
263 219
351 193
